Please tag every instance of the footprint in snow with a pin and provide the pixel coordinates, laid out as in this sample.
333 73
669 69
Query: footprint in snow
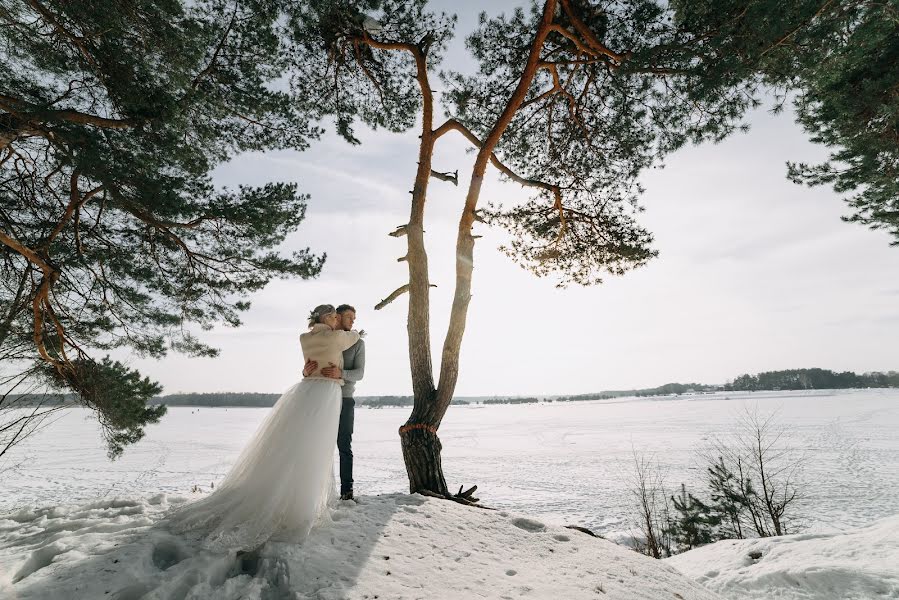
167 553
40 558
528 524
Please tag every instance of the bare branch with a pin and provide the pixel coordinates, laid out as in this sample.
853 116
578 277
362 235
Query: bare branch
393 296
23 109
396 294
79 41
76 201
572 38
387 45
596 46
451 177
31 255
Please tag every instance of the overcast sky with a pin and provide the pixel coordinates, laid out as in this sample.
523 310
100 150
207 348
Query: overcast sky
755 273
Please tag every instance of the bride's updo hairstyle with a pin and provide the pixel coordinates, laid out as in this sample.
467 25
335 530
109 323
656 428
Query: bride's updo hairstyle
320 311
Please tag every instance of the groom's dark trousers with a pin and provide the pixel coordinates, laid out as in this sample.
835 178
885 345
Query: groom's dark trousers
345 445
353 371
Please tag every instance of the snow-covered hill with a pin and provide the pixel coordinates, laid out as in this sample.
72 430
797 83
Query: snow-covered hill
398 546
858 565
388 547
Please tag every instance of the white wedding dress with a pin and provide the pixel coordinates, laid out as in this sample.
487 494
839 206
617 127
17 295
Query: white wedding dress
283 482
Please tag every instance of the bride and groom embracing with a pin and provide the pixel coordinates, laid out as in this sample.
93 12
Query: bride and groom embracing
283 482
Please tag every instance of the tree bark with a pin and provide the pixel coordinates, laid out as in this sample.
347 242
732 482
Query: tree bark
418 436
418 325
421 453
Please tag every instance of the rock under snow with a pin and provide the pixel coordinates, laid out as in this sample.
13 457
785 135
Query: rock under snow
862 564
388 547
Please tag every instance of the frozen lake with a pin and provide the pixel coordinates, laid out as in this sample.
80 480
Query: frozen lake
567 462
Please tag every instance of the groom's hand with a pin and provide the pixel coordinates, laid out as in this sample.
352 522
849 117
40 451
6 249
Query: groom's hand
332 371
309 368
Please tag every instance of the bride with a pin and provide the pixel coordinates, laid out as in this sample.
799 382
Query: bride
283 480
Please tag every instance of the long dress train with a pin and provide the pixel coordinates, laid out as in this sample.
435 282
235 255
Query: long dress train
283 481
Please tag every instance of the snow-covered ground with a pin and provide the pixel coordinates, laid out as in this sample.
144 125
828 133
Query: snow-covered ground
73 525
565 463
392 547
858 565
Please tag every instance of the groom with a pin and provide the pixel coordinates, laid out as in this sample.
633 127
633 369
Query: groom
353 370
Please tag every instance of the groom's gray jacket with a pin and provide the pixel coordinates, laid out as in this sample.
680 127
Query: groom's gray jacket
353 367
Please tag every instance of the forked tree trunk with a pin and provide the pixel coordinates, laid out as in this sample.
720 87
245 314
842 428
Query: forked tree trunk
449 364
420 442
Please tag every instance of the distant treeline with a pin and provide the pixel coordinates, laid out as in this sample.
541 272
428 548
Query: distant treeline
218 399
382 401
662 390
515 400
813 379
793 379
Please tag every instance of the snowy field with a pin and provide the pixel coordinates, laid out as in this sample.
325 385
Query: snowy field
566 463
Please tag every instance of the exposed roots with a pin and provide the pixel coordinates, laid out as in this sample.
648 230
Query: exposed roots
461 497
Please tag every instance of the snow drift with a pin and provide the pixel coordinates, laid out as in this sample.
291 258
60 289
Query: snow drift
857 565
390 547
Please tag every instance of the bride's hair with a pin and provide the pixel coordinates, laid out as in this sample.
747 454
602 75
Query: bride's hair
318 312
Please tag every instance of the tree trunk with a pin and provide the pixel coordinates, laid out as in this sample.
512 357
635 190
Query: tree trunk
421 453
418 324
420 443
418 437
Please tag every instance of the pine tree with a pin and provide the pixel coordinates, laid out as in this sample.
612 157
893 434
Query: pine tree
837 60
728 500
112 115
694 523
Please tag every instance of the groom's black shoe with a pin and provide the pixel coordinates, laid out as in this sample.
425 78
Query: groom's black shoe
347 496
